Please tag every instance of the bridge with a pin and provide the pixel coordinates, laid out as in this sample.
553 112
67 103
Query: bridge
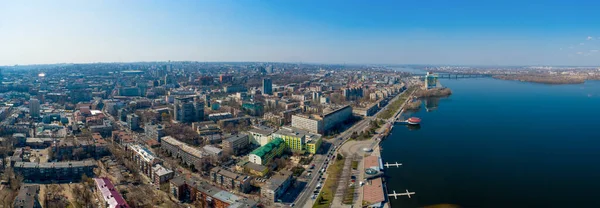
395 195
388 165
456 75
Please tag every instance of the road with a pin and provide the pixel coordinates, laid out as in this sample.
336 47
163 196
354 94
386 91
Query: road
304 198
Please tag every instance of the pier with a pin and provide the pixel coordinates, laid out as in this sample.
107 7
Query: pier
395 195
388 165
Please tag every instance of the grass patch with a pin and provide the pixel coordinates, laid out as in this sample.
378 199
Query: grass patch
395 106
354 165
349 195
333 175
297 170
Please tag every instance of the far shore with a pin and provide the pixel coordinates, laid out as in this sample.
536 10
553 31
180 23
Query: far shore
543 79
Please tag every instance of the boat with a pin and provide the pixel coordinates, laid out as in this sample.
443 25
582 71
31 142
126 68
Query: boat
413 121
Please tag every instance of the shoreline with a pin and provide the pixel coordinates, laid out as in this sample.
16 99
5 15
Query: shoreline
550 80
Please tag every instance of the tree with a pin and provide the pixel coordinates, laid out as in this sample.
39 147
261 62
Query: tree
165 117
83 196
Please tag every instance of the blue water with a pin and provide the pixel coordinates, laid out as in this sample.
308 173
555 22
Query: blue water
496 143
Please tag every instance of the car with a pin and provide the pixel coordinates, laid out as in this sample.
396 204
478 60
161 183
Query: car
314 196
292 205
315 192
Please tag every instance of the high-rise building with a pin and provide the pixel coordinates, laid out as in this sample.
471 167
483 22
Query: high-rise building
188 109
133 120
431 80
34 108
225 78
267 86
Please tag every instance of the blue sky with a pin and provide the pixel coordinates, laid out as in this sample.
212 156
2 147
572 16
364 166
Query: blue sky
482 32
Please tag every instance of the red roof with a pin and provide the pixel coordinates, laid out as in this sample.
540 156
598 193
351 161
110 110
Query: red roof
109 194
414 120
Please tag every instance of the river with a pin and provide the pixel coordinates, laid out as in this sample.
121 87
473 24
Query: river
496 143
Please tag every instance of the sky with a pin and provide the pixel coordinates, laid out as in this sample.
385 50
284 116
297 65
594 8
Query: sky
477 32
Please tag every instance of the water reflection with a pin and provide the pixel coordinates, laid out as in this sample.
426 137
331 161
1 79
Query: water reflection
413 127
432 103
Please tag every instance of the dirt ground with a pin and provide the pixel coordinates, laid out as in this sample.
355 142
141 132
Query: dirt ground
40 155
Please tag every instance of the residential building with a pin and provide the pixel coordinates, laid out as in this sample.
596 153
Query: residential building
105 129
230 180
234 88
161 174
277 185
28 197
234 122
194 189
213 151
368 110
143 158
312 123
110 196
336 117
188 109
219 116
265 154
154 131
133 121
255 169
57 171
177 149
34 108
225 78
235 144
267 86
253 108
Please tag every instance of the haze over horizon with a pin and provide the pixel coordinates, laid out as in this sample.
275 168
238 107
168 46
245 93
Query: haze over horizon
353 32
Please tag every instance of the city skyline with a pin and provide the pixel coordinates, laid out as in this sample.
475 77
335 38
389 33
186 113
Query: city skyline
350 32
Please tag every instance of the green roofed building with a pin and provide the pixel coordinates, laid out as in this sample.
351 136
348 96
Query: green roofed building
263 155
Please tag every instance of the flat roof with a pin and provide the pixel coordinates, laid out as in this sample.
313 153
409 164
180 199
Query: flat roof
373 191
371 162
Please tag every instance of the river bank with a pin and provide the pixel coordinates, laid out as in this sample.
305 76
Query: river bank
543 79
435 92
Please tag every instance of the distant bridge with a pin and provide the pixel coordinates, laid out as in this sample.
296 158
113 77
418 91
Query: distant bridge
457 75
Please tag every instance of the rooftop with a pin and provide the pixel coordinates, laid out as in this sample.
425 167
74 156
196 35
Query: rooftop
26 196
183 146
83 163
274 144
160 170
262 130
236 137
373 191
145 154
278 179
109 194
